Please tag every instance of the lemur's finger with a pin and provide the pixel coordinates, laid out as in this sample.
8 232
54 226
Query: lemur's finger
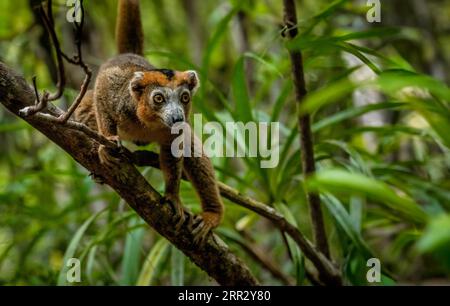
201 235
197 219
180 222
198 228
106 158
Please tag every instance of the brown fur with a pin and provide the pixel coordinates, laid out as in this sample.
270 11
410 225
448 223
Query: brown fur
129 34
85 111
118 108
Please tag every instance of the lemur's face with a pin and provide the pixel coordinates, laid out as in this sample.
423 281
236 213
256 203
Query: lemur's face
164 95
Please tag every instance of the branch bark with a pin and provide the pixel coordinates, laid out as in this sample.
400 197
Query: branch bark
304 122
213 257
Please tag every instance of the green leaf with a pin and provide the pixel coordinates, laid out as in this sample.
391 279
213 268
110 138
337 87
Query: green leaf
132 253
356 212
438 120
152 262
324 14
329 94
297 254
271 67
387 281
177 261
106 233
283 172
280 102
213 42
353 112
90 264
355 160
339 181
72 248
436 235
393 80
344 220
243 109
373 32
349 48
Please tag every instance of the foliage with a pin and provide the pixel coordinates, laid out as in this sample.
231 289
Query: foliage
384 187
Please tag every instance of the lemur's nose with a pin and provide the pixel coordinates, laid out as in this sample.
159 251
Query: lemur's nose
177 118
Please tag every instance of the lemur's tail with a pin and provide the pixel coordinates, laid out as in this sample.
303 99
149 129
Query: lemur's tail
129 34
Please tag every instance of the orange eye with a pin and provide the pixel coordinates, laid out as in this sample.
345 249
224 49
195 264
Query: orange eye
158 98
185 97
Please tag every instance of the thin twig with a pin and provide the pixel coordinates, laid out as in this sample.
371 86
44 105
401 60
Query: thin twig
304 121
265 261
50 26
78 126
78 60
42 102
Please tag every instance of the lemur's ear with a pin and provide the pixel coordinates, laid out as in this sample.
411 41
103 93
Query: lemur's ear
136 86
193 80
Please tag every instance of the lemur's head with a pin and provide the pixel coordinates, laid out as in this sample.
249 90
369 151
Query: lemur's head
163 96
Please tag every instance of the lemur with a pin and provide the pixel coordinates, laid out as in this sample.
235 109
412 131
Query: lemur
134 101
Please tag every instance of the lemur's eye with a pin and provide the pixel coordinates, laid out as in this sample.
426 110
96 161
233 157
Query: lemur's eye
185 97
158 98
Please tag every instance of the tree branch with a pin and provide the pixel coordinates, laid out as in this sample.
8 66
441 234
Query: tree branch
304 121
213 257
328 274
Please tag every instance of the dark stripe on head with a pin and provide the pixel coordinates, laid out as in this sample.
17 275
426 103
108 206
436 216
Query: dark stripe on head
167 72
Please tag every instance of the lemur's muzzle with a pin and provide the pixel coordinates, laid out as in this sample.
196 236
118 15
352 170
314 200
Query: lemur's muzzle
175 117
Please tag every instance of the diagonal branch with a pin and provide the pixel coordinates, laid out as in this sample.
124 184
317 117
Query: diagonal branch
13 98
213 257
262 259
327 272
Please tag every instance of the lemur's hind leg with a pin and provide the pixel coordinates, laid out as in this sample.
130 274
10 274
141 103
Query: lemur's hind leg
200 172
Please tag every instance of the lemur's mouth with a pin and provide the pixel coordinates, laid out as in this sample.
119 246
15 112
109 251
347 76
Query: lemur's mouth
177 121
173 120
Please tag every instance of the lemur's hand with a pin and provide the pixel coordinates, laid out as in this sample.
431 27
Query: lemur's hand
110 161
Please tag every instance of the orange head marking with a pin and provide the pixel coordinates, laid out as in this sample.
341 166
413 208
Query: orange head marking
165 78
164 94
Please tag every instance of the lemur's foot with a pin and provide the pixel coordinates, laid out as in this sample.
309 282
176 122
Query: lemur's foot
105 157
178 210
111 162
202 226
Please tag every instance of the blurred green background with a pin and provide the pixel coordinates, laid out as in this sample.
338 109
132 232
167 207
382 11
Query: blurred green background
379 101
